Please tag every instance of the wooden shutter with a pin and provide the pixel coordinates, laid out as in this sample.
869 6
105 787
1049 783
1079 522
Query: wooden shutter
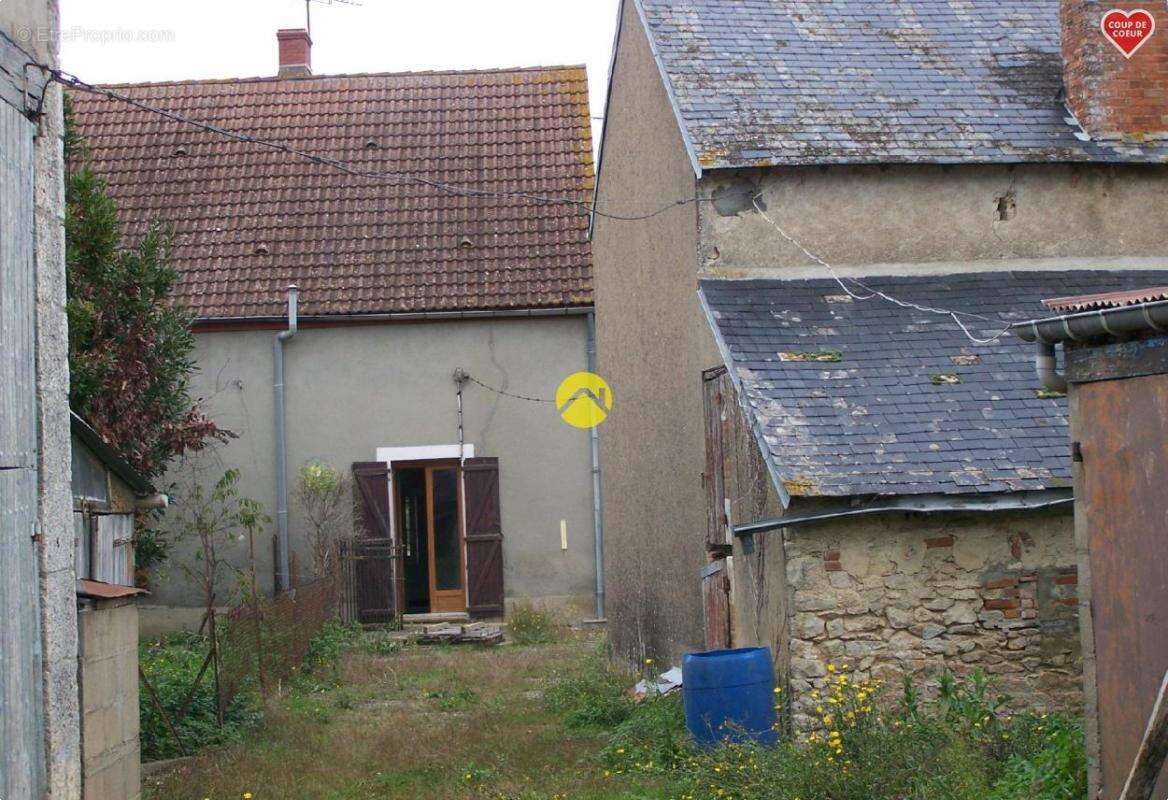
377 585
716 604
484 537
715 384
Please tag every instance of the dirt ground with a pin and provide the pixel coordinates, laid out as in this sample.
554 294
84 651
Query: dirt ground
426 722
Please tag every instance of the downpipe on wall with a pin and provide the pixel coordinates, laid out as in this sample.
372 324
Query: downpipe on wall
283 561
597 500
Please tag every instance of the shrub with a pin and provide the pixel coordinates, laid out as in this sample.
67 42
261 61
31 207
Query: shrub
528 625
171 666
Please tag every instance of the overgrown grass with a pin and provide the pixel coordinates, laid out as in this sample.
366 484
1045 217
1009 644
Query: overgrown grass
961 746
528 625
589 694
171 665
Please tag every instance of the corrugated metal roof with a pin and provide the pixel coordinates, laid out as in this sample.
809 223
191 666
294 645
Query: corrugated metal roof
1090 302
865 398
99 590
838 81
249 220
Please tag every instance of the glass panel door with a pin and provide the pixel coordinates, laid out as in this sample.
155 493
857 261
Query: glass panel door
447 529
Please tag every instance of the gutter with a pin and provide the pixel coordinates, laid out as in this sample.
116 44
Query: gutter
597 498
283 562
405 316
922 504
1084 327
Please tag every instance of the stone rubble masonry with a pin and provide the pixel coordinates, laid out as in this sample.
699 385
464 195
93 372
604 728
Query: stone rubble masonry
1113 96
895 599
109 690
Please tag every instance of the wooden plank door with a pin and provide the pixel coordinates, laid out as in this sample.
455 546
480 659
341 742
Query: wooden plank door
378 586
22 756
484 537
1123 427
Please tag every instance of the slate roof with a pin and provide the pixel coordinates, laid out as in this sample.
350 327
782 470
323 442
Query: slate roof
769 82
887 418
249 220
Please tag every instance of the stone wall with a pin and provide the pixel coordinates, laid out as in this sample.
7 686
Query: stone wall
915 596
109 700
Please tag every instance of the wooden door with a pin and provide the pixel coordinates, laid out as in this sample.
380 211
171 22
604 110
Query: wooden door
484 537
1123 428
378 586
444 533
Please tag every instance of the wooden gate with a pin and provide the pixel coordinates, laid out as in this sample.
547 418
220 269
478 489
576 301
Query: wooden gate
374 582
1123 430
22 758
484 537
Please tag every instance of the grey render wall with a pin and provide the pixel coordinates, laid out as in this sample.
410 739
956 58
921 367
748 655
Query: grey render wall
652 352
871 215
353 389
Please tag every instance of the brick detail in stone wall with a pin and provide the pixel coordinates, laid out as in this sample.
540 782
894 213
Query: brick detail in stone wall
889 605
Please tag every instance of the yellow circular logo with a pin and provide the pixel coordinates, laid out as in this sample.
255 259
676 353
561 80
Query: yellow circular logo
584 400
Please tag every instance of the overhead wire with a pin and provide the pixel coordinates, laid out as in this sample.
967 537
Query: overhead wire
394 177
876 293
401 178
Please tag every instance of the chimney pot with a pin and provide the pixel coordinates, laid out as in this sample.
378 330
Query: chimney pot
1115 94
295 52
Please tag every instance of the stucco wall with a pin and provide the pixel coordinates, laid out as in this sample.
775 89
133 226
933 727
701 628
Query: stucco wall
350 390
910 213
651 349
903 596
108 652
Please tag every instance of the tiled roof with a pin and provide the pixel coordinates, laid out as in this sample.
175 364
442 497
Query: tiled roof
865 398
249 221
838 81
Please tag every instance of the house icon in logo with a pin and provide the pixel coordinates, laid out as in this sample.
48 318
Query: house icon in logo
584 400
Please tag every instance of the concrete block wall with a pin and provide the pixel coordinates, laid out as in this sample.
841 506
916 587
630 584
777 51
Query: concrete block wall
111 759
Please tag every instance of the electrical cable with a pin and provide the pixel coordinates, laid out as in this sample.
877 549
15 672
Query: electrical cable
396 178
874 293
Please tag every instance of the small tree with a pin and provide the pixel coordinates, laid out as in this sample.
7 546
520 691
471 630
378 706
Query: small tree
215 518
323 496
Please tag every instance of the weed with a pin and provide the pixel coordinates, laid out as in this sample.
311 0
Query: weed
380 643
528 625
458 699
590 696
171 665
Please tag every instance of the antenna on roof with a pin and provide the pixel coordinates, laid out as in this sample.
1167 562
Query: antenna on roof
308 9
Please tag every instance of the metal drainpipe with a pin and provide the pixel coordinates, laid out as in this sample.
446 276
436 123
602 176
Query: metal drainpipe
1047 366
283 566
597 503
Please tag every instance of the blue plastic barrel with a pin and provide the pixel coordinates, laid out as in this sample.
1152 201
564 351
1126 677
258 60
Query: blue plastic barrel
729 696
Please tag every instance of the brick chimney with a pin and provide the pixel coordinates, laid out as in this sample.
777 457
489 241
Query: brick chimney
295 52
1115 91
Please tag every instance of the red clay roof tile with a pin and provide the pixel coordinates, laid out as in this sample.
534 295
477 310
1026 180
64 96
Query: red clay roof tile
249 221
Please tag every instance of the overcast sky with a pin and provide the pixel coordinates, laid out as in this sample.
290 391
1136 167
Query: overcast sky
155 40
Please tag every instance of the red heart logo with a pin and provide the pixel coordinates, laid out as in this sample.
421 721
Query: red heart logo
1128 30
